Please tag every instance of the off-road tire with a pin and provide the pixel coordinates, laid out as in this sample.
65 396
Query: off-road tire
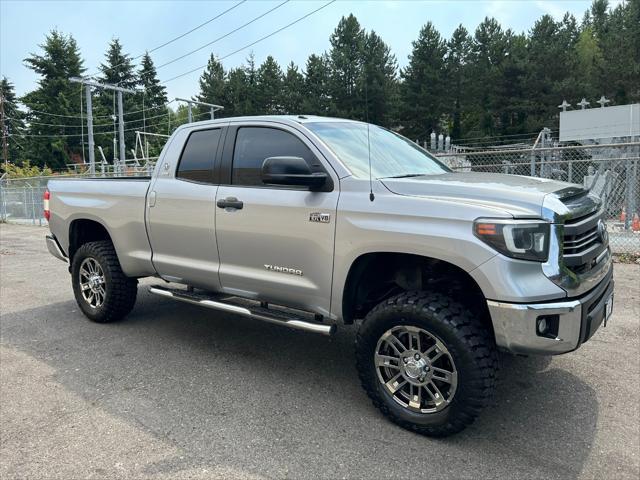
121 291
470 344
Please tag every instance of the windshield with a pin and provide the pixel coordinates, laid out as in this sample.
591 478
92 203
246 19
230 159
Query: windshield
391 154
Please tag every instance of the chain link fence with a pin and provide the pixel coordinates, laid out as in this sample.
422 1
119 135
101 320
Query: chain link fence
610 169
21 199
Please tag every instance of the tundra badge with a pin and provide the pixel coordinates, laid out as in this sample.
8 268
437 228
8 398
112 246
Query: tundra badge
277 268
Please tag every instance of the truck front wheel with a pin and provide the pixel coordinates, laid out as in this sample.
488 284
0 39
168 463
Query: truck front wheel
426 362
103 292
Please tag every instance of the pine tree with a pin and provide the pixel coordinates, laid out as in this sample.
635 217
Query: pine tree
316 99
236 94
510 100
550 46
489 51
346 55
118 69
269 88
13 122
424 85
56 140
252 102
459 52
379 81
292 90
154 96
212 85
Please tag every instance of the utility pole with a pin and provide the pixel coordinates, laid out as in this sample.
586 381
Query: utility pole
5 133
88 84
212 107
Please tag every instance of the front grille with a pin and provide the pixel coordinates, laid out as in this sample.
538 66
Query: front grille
583 242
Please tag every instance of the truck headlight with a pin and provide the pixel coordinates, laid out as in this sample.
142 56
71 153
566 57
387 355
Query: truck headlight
523 239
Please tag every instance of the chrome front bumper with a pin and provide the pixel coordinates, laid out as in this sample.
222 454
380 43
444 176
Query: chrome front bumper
573 321
55 249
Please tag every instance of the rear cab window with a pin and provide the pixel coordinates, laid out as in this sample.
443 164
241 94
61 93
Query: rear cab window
198 156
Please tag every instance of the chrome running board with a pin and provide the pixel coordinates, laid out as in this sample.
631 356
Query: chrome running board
227 304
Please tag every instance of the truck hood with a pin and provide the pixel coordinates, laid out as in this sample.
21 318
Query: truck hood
517 195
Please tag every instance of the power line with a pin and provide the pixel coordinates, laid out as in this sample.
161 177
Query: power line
100 116
253 43
80 125
62 116
194 28
62 125
67 135
222 36
178 37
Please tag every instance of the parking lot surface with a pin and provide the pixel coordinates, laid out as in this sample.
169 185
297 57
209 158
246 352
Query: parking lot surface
175 391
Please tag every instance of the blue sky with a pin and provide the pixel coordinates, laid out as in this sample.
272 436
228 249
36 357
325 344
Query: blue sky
142 25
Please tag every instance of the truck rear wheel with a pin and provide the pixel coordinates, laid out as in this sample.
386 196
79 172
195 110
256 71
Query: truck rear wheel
103 292
426 362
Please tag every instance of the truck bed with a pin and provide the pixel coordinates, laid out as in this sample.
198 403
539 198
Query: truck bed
116 203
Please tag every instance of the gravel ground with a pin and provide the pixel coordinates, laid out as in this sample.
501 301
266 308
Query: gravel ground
175 391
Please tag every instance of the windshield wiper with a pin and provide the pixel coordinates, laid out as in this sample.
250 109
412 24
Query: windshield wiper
407 175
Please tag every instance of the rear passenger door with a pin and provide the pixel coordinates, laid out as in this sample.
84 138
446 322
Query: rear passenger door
181 210
272 248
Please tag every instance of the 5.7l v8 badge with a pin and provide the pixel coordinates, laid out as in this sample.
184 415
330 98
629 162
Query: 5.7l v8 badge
320 217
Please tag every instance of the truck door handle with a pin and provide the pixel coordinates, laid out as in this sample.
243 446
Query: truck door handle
230 202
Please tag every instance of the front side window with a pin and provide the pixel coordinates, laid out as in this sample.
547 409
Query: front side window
255 144
392 155
198 156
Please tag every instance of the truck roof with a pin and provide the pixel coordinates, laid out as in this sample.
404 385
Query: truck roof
301 119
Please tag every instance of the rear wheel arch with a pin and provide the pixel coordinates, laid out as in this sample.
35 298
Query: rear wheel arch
84 230
375 276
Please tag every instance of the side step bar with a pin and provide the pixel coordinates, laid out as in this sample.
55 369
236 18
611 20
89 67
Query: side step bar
225 304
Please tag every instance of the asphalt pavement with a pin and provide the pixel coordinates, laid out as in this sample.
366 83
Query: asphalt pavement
175 391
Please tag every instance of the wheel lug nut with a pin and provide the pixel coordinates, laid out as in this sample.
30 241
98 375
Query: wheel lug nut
406 359
417 356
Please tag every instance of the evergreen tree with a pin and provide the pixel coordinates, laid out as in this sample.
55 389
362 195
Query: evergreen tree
589 61
510 101
489 51
236 96
212 86
615 43
252 102
269 88
424 86
459 52
346 54
292 90
118 69
13 122
316 99
550 46
55 140
154 96
379 81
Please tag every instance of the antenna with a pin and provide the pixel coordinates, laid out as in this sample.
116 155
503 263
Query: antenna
366 109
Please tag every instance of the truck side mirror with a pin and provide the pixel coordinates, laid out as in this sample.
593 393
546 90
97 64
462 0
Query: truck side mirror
291 171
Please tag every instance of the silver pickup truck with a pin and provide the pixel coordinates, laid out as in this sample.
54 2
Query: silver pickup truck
311 222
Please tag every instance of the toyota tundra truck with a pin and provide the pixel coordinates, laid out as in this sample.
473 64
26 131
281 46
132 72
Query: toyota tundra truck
312 222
